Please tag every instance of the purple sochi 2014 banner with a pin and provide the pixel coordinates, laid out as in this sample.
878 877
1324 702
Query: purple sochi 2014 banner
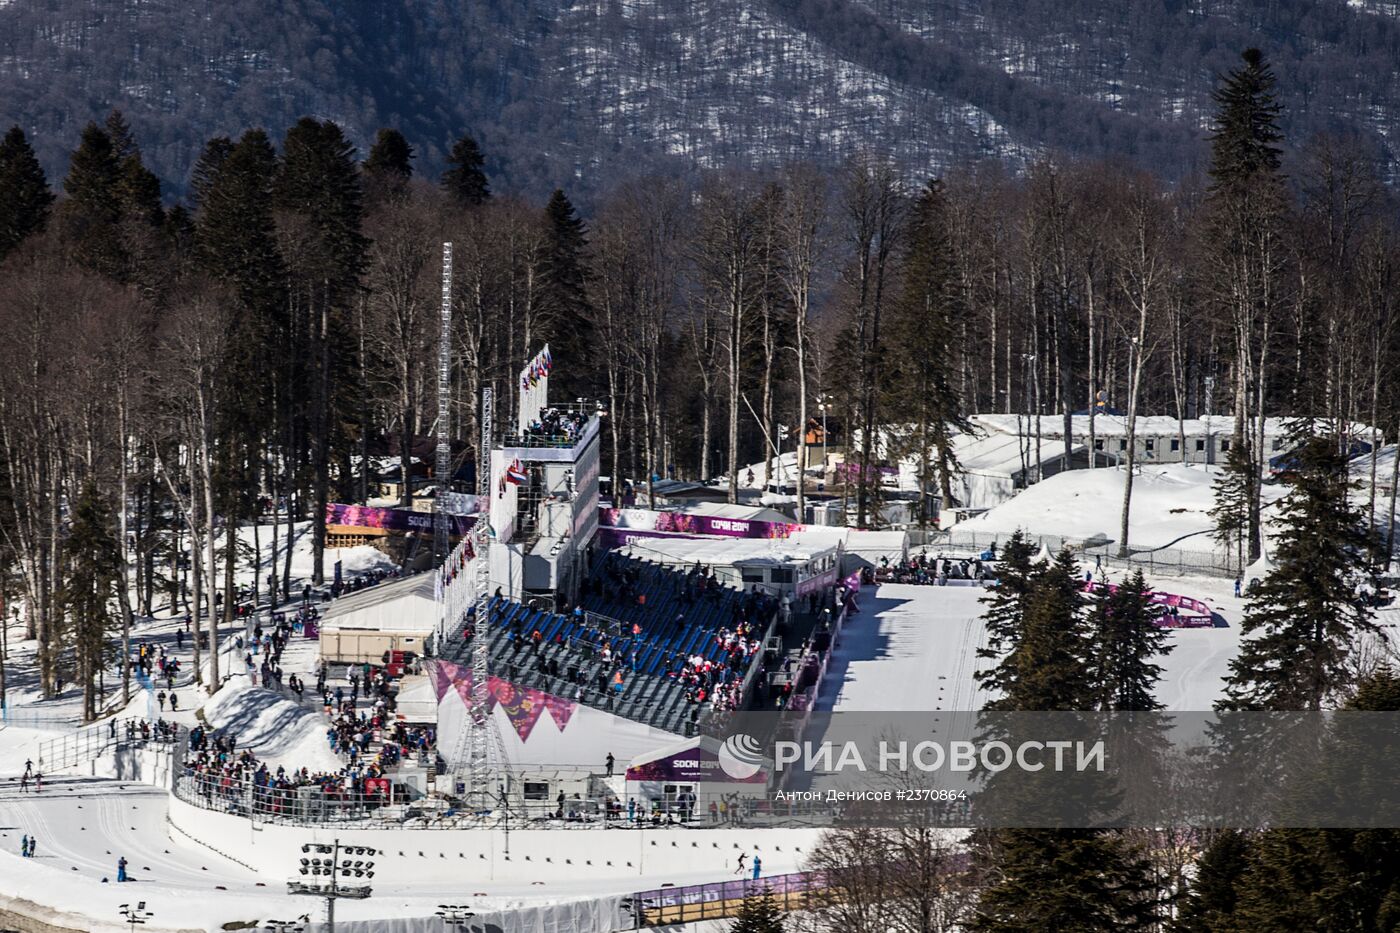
639 520
367 516
693 764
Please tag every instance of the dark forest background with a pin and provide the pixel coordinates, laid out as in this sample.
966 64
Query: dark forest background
578 94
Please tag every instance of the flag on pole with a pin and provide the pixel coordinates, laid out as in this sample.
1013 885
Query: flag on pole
515 473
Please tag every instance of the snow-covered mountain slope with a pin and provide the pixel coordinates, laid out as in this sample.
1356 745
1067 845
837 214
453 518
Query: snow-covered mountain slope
578 93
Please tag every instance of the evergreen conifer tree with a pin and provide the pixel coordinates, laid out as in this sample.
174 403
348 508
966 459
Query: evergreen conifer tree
1047 666
389 165
235 246
1005 609
1302 621
206 167
93 561
234 231
758 913
1068 879
564 296
465 179
1209 905
25 197
1073 879
92 212
1335 879
1232 491
319 187
1126 638
1245 142
922 388
1245 204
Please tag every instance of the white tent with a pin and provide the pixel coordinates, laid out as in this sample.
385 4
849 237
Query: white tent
865 548
397 616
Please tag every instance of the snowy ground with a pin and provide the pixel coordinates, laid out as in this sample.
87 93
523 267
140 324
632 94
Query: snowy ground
1170 501
909 648
83 825
914 648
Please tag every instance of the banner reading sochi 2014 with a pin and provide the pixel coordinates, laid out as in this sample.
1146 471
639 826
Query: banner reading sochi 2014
368 516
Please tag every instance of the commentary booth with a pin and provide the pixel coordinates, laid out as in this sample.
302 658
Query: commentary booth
698 779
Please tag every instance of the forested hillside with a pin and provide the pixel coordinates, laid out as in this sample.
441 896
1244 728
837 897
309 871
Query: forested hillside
581 93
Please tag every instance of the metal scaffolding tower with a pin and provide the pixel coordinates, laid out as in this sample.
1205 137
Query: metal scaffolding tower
442 467
484 751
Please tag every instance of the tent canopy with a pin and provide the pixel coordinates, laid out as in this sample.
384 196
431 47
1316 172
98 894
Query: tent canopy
406 605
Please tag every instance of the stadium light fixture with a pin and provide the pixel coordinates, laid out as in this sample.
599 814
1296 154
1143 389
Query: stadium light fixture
135 916
327 872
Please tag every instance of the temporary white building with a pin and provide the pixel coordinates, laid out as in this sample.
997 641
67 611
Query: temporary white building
795 565
397 616
747 513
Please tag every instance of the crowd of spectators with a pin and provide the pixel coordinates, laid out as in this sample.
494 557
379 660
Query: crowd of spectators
935 571
362 581
557 428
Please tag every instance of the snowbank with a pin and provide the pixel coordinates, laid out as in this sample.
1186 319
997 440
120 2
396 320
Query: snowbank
277 729
1169 502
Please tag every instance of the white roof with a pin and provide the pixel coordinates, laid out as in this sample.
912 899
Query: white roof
1001 454
748 513
406 605
751 551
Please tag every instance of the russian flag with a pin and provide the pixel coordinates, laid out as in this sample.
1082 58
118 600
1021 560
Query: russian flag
515 473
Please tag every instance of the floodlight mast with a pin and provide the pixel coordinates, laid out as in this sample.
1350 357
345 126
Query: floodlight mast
334 868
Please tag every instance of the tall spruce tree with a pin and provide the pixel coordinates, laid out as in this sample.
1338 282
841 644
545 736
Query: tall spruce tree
25 197
465 178
235 246
1244 207
91 554
1125 639
1005 610
1333 880
206 167
1210 901
1047 665
389 165
1232 490
1069 879
319 188
1302 622
922 389
563 291
759 913
92 212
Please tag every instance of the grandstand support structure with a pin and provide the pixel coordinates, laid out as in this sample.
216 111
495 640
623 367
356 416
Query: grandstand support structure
478 752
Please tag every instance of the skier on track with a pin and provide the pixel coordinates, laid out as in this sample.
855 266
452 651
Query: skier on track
743 856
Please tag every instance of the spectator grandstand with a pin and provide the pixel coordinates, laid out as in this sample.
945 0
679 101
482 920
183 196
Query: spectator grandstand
647 643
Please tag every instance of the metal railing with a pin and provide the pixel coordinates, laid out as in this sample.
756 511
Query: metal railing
1180 561
311 806
721 899
88 744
